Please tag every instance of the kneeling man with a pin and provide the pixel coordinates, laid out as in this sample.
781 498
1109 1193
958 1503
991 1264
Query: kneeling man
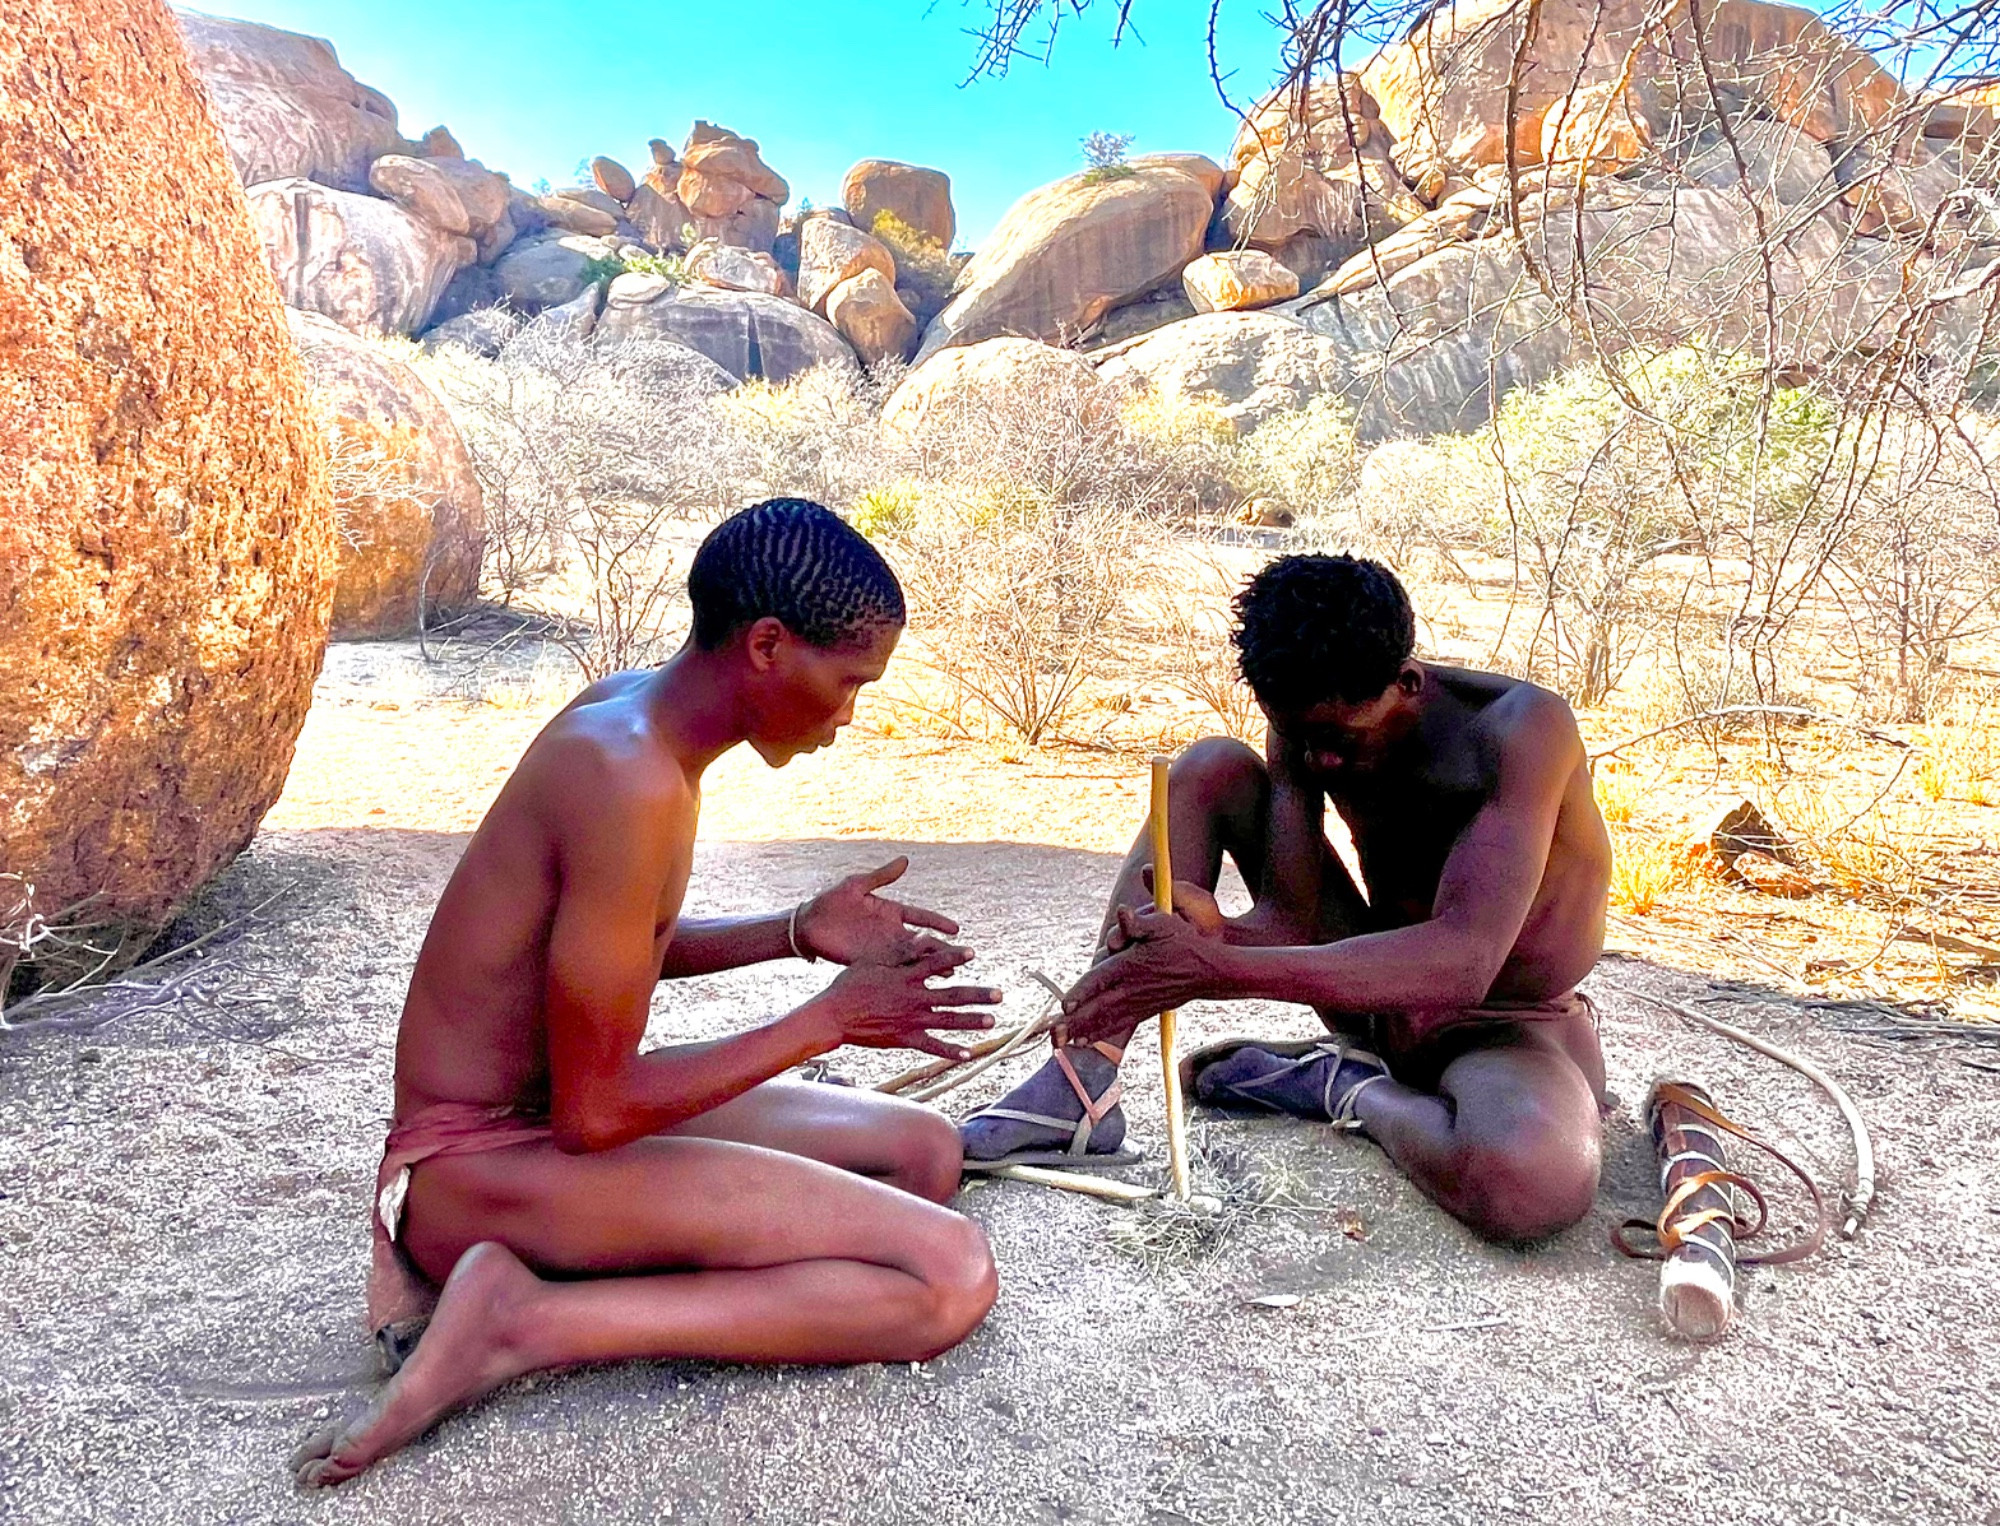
1459 1044
582 1201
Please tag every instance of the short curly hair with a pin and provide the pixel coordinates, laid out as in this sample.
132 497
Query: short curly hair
796 560
1314 628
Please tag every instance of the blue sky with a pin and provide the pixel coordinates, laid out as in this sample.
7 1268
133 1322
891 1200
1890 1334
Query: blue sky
531 86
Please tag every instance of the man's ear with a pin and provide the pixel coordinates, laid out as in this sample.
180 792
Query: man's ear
762 641
1410 678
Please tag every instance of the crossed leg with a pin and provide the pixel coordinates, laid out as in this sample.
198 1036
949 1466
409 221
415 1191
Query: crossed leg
725 1240
1495 1122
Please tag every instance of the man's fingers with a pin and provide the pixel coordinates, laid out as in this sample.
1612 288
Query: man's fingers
937 1047
958 1020
1095 981
920 916
966 996
922 951
888 874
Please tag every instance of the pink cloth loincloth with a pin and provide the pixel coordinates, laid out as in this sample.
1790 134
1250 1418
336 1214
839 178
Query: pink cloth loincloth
397 1290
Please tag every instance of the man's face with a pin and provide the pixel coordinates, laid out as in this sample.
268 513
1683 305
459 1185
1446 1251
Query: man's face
804 693
1340 739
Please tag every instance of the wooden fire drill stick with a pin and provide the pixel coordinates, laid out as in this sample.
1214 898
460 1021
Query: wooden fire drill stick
1163 900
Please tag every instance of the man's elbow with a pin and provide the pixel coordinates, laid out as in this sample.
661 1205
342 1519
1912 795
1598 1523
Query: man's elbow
585 1131
1469 975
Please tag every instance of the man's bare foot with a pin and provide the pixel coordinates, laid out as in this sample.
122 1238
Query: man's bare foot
1048 1092
467 1351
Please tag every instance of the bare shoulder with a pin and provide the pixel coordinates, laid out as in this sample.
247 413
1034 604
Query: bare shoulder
1519 724
599 766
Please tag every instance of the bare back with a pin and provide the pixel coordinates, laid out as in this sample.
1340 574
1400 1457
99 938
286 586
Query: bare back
474 1024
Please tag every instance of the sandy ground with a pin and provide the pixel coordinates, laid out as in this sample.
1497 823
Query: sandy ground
183 1189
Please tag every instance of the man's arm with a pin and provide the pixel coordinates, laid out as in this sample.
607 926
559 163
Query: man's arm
616 844
850 921
1451 960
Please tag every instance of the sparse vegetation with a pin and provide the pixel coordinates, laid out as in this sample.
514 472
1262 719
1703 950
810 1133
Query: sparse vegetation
1104 156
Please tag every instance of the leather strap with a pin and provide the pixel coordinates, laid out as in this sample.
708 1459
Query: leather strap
1673 1229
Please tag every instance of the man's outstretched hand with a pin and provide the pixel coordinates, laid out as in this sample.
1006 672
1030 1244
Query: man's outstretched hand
851 924
1162 960
892 1005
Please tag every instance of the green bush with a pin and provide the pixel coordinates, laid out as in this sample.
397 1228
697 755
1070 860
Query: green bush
887 512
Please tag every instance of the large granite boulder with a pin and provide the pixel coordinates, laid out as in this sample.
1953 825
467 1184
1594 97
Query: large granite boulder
872 318
549 269
1066 254
830 252
362 261
916 197
456 195
1311 179
1234 280
747 333
613 179
166 556
1442 91
1248 367
285 106
730 194
733 269
966 377
1432 343
575 215
411 519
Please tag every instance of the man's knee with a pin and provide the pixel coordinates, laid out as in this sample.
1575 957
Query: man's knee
929 1155
1217 768
1528 1189
962 1282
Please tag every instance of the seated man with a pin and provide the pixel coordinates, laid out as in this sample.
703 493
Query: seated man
1460 1046
581 1201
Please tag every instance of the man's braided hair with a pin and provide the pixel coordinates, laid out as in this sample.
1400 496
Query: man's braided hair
1314 628
798 561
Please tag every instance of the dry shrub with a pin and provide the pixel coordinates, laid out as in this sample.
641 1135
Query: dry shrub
1020 602
925 270
811 437
1304 461
1027 523
1191 619
587 455
1646 869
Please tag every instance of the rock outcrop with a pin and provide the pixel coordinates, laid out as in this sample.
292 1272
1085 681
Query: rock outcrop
747 333
360 260
734 269
166 557
406 500
918 198
730 194
549 270
1237 279
1248 367
972 376
871 317
831 252
286 107
453 195
1064 255
1442 91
